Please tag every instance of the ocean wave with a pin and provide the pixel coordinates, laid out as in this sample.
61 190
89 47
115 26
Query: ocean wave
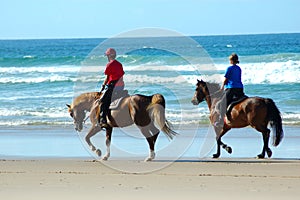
69 94
29 57
39 60
274 72
51 113
185 119
265 72
252 73
40 69
33 123
29 80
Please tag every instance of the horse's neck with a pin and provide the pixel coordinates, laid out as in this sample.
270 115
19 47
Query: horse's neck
85 102
212 102
213 95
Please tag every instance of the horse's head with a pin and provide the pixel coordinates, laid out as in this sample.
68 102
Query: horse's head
82 104
200 93
77 116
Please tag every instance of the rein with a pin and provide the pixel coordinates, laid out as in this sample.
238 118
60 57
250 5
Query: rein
215 93
86 119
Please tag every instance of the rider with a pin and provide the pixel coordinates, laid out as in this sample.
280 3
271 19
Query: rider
233 87
114 81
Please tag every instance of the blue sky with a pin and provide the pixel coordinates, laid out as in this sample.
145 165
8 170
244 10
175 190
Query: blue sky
23 19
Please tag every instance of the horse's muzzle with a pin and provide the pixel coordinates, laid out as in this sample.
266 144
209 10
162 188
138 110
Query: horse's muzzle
78 127
195 101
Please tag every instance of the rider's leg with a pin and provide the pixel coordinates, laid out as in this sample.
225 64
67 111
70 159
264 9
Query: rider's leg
104 106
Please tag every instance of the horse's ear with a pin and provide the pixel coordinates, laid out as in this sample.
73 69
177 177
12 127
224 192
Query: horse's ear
203 83
68 105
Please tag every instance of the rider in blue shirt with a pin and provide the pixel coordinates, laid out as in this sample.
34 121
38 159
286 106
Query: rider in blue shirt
233 87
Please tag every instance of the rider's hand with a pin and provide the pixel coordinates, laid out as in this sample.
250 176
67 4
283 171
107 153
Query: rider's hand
103 87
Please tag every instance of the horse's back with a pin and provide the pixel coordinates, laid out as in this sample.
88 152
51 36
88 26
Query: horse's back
249 109
131 108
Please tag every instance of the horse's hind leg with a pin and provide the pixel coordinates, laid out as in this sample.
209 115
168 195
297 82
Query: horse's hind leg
107 142
266 135
151 134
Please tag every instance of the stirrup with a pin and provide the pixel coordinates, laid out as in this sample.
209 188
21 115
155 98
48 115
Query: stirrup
102 123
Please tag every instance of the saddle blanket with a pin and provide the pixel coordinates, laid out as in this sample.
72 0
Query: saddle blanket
117 99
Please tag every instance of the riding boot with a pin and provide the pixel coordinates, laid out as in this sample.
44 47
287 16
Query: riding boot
102 121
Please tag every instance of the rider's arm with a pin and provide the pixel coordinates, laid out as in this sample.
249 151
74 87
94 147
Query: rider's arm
105 80
224 83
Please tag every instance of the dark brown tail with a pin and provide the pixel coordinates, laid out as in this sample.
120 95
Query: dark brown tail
275 121
157 112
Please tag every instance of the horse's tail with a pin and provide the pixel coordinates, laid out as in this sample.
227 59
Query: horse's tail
275 121
156 111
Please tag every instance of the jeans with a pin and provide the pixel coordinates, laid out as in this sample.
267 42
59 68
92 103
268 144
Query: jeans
227 98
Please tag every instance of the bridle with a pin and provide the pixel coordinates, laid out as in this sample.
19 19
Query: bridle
77 122
208 95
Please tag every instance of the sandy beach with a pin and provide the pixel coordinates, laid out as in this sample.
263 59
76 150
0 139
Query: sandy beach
212 179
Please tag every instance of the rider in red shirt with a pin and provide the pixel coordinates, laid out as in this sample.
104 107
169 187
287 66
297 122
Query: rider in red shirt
114 81
114 71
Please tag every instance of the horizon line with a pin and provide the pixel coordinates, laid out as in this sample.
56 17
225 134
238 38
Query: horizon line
190 35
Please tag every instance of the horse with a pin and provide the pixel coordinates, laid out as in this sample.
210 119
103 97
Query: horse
143 111
257 112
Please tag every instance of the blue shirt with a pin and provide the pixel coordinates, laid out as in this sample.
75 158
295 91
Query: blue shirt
234 75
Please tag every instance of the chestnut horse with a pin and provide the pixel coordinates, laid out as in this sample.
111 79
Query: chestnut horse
254 111
141 110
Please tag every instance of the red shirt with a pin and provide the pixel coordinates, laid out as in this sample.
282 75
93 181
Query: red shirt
114 70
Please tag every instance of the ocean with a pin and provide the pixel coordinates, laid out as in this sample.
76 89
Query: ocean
38 77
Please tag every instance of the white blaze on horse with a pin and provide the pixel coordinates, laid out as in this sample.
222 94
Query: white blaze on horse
143 111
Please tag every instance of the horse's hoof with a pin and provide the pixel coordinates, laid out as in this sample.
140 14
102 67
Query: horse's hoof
269 153
98 152
229 150
105 158
260 156
93 148
148 159
216 155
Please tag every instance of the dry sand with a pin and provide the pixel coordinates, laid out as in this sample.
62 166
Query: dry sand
208 179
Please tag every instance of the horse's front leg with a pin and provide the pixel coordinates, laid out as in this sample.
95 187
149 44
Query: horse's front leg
217 155
220 143
108 141
91 133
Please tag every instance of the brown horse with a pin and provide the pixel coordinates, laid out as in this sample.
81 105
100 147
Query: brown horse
140 110
254 111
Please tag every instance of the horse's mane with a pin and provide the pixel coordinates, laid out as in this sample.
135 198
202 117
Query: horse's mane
88 96
213 87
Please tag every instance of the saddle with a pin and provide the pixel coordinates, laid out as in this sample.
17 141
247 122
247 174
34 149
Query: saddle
117 98
235 101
